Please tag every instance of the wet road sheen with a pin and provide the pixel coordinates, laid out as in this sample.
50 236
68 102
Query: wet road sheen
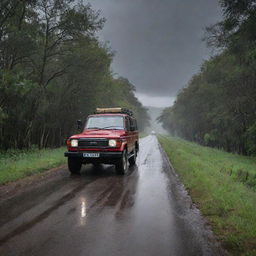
146 212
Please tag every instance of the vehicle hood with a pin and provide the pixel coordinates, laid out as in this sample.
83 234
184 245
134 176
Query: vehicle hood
99 134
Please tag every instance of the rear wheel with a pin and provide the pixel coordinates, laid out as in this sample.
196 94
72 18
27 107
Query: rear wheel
122 165
96 165
74 165
132 159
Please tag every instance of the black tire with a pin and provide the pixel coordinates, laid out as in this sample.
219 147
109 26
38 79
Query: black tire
74 165
122 165
132 160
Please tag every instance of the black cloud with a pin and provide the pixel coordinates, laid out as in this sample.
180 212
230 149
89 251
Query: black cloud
158 43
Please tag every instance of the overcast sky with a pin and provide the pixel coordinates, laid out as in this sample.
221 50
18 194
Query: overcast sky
158 43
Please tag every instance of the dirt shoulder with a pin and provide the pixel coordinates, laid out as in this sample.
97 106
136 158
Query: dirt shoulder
17 187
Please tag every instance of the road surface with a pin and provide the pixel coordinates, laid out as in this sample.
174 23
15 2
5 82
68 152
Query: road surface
146 212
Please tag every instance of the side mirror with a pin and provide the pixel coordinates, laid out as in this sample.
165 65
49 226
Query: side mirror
79 124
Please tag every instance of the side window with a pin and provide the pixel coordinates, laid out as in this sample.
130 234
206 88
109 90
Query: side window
136 126
133 125
127 124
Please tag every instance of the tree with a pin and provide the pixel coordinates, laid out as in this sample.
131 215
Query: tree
54 71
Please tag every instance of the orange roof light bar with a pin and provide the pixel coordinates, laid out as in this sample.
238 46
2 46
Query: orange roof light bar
114 110
108 110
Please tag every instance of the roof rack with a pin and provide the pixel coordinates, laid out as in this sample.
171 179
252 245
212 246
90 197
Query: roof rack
113 110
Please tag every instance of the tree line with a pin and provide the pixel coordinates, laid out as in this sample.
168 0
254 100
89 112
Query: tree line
53 71
218 106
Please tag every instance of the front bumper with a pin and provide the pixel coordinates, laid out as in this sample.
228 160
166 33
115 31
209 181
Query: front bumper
105 157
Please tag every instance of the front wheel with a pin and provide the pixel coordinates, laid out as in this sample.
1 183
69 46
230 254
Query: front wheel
74 165
132 159
122 165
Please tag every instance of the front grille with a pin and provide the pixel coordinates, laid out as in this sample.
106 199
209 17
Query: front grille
93 143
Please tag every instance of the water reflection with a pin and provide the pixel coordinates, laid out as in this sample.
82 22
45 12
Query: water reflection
83 211
127 189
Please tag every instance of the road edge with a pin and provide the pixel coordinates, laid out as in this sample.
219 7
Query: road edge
14 188
212 239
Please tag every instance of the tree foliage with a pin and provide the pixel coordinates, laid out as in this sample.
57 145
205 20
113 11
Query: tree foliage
54 71
218 106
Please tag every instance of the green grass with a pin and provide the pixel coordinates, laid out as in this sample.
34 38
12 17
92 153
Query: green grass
223 186
143 134
15 165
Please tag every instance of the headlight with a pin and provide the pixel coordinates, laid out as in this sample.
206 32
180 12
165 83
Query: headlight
112 143
74 143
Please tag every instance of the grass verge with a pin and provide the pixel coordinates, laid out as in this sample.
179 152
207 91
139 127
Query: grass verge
15 165
143 134
213 180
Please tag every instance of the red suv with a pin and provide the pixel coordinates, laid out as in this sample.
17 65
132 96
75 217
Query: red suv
110 136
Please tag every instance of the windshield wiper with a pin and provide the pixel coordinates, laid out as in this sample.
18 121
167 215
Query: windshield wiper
112 126
105 128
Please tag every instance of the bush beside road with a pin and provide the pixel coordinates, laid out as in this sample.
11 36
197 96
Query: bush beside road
223 187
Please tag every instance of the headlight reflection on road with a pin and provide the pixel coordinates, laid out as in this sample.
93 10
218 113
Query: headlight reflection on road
83 212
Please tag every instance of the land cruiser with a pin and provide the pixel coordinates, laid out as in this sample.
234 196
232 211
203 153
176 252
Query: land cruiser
110 136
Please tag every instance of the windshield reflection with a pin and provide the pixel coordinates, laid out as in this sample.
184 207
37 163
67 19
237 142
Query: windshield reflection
105 122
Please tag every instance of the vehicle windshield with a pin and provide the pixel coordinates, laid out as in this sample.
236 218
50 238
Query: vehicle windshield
105 122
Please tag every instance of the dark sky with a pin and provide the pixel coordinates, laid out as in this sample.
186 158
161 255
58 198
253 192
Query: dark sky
158 43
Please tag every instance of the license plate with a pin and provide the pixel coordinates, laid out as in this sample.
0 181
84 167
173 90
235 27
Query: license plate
94 155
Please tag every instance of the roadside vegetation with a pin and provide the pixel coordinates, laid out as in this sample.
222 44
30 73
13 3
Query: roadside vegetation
143 134
217 107
17 164
54 71
223 186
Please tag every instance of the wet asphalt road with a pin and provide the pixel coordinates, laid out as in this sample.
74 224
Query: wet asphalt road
146 212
